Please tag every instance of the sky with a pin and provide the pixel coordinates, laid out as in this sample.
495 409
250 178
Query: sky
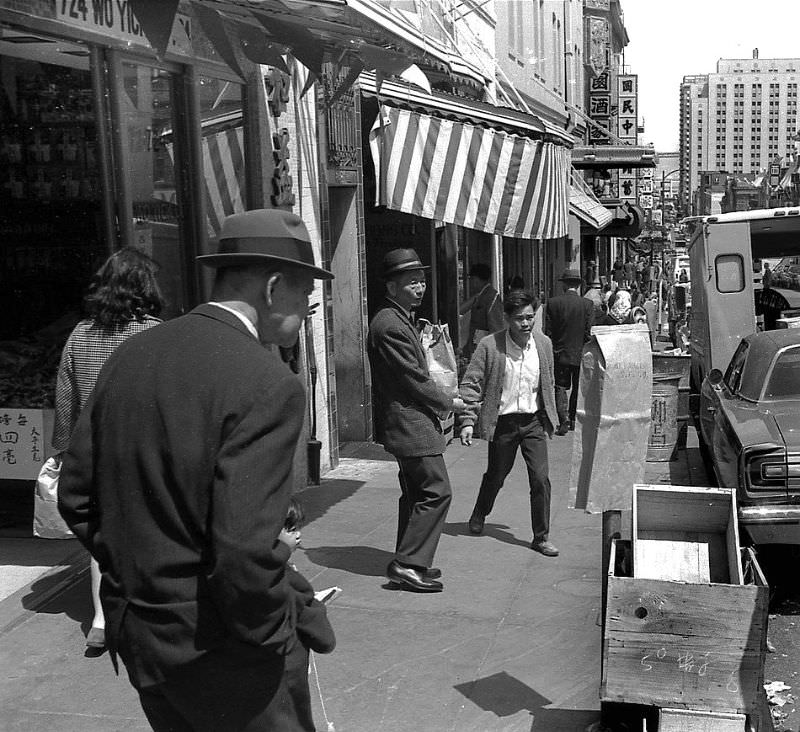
669 40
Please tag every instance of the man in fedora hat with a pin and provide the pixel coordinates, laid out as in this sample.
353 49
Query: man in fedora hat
568 322
178 478
410 404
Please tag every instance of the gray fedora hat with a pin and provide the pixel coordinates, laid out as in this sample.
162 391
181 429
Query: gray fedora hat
400 260
265 235
571 275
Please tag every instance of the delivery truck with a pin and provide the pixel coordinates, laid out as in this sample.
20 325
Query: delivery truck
728 301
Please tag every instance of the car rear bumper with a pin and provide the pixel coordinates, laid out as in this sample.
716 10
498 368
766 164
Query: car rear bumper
771 524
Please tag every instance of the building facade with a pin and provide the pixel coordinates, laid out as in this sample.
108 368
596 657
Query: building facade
739 119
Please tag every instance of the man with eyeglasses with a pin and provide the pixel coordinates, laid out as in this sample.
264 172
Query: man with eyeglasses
409 405
511 374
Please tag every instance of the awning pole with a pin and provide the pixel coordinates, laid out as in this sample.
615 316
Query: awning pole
434 275
497 263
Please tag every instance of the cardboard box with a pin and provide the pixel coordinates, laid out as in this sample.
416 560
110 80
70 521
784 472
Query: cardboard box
692 633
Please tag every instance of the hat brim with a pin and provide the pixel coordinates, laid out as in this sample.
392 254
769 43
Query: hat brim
410 267
235 259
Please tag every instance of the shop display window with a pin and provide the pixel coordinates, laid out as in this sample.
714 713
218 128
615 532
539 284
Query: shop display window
51 233
147 124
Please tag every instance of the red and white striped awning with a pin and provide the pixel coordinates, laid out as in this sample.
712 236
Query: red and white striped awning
476 177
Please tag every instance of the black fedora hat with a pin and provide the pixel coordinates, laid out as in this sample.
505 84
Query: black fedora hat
265 235
570 275
400 260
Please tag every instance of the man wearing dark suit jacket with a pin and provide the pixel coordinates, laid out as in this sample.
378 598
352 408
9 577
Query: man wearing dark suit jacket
409 406
178 478
568 322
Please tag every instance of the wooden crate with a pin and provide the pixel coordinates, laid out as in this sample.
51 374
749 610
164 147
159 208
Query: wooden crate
677 639
687 534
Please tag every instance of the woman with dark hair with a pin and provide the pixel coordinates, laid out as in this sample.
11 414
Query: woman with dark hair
123 299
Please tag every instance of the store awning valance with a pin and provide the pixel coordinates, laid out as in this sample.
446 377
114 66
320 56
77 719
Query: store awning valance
476 177
585 205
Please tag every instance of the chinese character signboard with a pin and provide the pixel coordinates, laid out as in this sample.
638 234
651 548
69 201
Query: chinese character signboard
645 185
627 88
600 108
22 443
627 185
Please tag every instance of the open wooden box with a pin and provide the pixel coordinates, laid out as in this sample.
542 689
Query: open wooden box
686 613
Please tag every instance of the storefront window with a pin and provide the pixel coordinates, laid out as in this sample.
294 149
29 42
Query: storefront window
51 232
147 126
223 149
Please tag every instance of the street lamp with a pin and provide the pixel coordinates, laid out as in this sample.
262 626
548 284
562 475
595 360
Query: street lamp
664 176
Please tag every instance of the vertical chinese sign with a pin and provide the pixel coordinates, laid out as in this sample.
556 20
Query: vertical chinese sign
278 88
628 116
22 443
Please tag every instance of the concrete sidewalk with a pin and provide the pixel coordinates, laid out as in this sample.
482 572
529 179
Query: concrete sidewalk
513 643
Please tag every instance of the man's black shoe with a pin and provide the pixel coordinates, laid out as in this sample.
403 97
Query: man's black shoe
432 573
476 523
562 429
410 578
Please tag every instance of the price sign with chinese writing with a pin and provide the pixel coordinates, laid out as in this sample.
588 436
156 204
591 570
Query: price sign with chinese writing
22 443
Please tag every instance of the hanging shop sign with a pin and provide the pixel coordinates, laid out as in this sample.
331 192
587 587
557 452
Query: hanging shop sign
278 88
627 107
600 108
116 19
627 185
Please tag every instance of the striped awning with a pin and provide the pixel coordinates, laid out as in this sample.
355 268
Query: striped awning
585 205
476 177
223 165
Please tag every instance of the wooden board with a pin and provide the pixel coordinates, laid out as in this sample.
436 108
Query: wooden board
685 720
698 528
683 645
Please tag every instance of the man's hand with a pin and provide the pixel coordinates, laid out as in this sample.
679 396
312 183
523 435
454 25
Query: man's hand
466 436
290 538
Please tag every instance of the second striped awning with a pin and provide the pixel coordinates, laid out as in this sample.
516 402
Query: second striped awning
476 177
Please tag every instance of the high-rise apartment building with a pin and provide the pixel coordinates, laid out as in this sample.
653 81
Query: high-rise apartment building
738 119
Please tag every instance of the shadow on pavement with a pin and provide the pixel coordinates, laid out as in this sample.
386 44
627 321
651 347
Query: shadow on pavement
363 560
504 696
495 531
73 599
317 500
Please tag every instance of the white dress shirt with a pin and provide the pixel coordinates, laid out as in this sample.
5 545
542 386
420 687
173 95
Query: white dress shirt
521 379
239 315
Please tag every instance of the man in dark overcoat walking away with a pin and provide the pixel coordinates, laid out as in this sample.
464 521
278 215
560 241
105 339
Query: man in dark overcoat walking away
178 478
409 407
568 322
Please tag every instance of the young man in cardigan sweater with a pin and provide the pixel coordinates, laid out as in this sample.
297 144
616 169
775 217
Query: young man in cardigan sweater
511 374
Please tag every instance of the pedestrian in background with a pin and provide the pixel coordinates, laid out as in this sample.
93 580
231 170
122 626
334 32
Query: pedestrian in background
410 405
484 307
123 299
568 323
178 479
511 376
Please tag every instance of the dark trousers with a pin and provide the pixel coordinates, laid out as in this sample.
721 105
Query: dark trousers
567 379
527 432
254 691
424 501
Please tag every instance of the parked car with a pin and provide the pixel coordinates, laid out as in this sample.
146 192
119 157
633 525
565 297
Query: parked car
750 425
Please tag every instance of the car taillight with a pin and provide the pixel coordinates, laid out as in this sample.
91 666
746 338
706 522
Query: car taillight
768 469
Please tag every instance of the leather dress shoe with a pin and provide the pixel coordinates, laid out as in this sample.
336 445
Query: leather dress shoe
476 523
410 578
562 429
545 547
96 638
432 573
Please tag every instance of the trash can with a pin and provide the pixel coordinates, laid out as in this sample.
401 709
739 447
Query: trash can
663 438
670 364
